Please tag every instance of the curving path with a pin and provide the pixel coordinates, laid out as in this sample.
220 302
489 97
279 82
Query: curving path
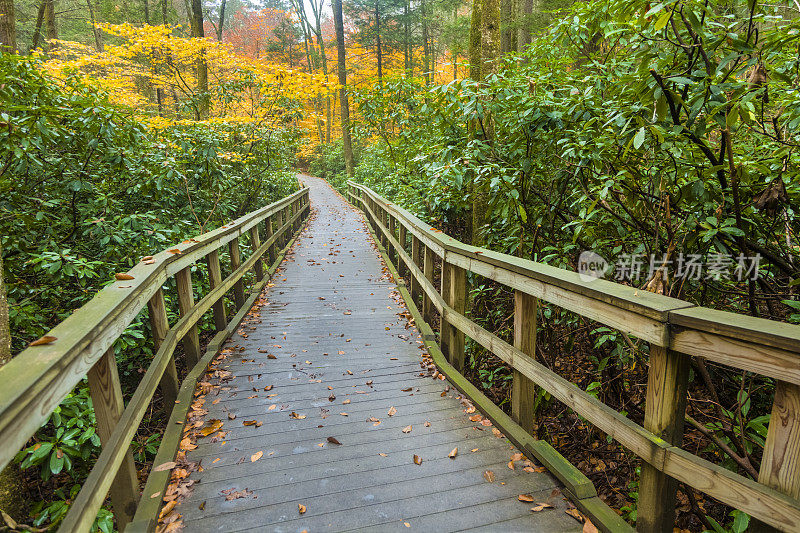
326 359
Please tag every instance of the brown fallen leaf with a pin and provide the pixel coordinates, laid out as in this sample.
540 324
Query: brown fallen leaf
334 440
47 339
167 508
344 414
475 418
346 401
511 465
255 423
211 426
489 476
383 455
417 460
452 454
256 456
186 444
588 527
301 508
392 411
272 407
270 356
175 251
407 429
541 507
527 498
406 390
123 277
268 388
231 494
147 258
516 457
574 513
297 416
332 397
165 466
406 524
202 506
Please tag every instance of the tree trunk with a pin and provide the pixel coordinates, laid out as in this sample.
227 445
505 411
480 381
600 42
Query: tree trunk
425 50
8 28
475 41
524 26
221 21
37 30
50 21
406 41
378 43
163 11
338 22
11 484
508 43
146 10
202 67
98 42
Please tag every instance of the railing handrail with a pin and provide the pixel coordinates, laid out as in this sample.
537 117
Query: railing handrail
674 328
37 379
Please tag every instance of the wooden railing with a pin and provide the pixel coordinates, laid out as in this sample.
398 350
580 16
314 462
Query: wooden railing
40 377
675 330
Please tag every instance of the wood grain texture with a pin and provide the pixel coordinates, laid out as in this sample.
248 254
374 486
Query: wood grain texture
106 394
214 280
158 326
191 341
523 391
236 261
255 242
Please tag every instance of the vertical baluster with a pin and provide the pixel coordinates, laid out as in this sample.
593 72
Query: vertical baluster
428 263
215 280
780 464
456 298
665 410
401 265
236 262
415 287
159 326
268 235
106 394
191 341
255 242
523 394
393 232
444 290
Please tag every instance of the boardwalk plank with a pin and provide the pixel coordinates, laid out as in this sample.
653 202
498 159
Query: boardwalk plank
332 296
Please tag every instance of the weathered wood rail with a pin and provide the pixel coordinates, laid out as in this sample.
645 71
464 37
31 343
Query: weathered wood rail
40 377
675 330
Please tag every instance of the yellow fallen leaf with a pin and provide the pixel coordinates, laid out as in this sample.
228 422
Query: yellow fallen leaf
452 454
301 508
489 476
407 429
256 456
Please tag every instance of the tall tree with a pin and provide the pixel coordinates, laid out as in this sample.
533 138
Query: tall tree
378 42
221 21
196 21
524 30
508 15
8 27
338 22
475 41
425 48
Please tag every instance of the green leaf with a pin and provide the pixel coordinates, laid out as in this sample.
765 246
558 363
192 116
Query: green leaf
662 20
638 139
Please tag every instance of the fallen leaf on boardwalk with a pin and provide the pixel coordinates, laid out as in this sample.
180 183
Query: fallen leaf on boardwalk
344 414
540 469
301 508
473 450
529 469
231 416
406 390
350 372
166 466
334 440
235 495
296 416
470 409
202 506
486 422
525 498
574 513
270 356
407 429
588 527
452 454
332 397
271 407
186 444
268 388
392 411
123 277
47 339
256 456
211 426
406 524
516 457
427 424
255 423
369 383
475 418
383 455
215 460
540 507
341 352
167 508
346 401
489 476
497 433
511 465
417 460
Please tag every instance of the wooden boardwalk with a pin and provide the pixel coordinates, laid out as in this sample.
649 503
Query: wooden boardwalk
326 359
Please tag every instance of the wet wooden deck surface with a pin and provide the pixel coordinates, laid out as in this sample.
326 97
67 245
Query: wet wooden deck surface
326 357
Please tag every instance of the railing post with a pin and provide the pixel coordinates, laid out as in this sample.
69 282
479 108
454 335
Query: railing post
267 235
403 238
415 287
456 298
191 341
215 280
393 230
236 262
428 262
106 394
665 411
523 393
255 242
444 290
780 463
159 325
382 215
